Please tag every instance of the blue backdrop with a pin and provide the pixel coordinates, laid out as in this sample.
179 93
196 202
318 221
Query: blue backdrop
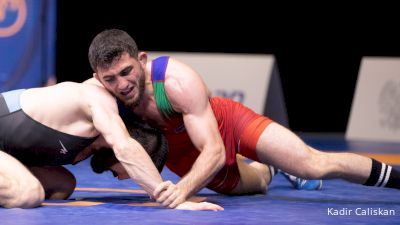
27 43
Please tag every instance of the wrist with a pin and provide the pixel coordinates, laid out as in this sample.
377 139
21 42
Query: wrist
183 192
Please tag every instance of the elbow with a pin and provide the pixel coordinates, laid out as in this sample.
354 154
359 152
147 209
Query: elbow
129 152
220 157
122 150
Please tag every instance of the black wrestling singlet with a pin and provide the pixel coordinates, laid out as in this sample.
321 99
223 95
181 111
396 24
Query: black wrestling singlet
31 142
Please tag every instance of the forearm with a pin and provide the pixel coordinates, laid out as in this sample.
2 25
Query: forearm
139 166
202 172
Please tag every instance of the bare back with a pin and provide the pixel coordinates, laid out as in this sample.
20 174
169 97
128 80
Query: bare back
63 107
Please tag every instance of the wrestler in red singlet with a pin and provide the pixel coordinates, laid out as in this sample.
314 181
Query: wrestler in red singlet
239 126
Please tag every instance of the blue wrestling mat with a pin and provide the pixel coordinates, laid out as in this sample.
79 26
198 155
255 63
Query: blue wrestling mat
101 199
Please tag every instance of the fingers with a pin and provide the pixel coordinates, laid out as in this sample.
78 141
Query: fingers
174 200
211 206
199 206
168 195
168 198
161 187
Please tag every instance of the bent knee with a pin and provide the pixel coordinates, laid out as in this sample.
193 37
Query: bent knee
62 190
58 182
29 196
316 167
254 179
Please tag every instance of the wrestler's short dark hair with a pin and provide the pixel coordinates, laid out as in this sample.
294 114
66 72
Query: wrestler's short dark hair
102 160
152 140
109 45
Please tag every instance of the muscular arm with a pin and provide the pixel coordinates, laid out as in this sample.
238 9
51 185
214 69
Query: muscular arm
203 131
128 151
188 95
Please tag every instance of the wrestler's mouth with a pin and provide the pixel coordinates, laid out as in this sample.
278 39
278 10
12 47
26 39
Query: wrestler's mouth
127 91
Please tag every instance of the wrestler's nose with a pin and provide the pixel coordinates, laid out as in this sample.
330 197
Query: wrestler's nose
123 83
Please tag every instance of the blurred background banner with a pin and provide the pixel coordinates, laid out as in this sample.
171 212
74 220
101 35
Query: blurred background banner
318 55
251 79
375 112
27 43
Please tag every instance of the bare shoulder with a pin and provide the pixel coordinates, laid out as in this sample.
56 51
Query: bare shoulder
184 86
92 81
96 92
85 93
178 70
79 88
181 77
92 87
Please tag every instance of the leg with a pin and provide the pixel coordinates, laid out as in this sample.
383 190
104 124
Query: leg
282 148
18 187
58 182
248 147
254 177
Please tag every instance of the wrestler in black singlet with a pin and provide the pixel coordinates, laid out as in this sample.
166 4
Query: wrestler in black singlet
31 142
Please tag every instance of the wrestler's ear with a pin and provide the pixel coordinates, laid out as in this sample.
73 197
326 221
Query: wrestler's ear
142 58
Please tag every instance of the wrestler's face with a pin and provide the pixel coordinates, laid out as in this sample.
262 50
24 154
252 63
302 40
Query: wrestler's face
119 171
125 78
